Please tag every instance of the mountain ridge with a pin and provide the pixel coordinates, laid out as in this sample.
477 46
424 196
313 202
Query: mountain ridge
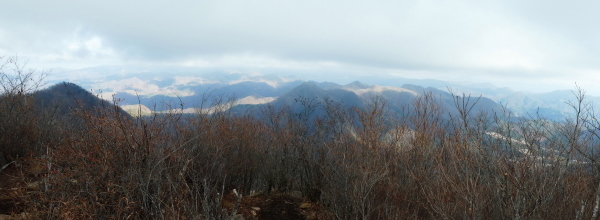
185 86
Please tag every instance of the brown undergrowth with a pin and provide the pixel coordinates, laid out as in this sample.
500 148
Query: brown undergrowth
324 161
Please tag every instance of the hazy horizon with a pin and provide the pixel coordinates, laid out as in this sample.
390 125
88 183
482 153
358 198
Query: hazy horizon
536 46
167 72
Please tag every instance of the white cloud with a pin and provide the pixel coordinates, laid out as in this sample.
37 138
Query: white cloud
256 61
81 49
499 41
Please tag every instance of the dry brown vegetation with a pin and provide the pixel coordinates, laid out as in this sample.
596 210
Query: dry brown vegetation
351 163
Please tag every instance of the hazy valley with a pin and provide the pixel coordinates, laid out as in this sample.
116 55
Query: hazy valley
197 91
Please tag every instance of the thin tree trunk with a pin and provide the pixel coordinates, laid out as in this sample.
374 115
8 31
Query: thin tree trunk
596 204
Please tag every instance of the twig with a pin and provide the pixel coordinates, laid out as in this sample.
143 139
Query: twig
5 166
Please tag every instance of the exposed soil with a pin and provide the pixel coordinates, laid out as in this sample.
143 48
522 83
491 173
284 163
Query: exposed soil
279 206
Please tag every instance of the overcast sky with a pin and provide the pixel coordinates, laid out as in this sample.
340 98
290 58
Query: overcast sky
534 45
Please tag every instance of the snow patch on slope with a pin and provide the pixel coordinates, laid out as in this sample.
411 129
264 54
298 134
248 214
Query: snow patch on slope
248 100
271 80
380 89
142 87
191 80
136 110
253 100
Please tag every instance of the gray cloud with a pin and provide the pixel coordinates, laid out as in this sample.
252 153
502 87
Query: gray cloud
498 41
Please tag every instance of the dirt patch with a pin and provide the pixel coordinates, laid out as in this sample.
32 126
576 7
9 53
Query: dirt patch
279 206
7 206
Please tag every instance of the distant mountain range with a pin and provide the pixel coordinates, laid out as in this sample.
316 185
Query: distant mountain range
160 90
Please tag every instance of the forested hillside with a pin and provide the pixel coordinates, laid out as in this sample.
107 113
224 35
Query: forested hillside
65 154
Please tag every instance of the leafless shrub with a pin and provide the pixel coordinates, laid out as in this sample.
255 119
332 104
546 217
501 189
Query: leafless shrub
20 127
359 163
